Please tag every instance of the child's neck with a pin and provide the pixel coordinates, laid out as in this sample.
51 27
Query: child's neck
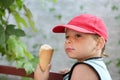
81 60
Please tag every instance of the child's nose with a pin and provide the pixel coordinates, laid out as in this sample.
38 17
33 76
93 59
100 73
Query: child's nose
69 40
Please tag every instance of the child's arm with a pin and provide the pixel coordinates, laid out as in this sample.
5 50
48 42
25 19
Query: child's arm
64 71
84 72
40 75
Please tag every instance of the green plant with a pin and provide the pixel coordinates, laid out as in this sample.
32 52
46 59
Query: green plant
10 44
3 77
118 63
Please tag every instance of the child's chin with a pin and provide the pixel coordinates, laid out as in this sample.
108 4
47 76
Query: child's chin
71 56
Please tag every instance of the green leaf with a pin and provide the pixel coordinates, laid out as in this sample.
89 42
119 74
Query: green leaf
58 16
32 24
19 52
119 42
29 65
27 12
20 63
52 9
10 30
19 20
2 37
2 50
19 4
35 46
34 61
15 48
114 7
54 1
3 22
28 68
19 32
2 17
118 62
29 16
6 3
26 53
117 17
108 63
3 77
81 7
26 78
2 12
13 8
9 56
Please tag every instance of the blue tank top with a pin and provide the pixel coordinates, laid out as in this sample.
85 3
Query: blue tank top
97 64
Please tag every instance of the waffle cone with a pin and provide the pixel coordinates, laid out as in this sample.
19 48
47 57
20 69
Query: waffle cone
45 56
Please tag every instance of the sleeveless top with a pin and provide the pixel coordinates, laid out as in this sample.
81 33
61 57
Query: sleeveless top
96 64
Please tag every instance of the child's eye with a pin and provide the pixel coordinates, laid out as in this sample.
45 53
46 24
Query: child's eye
77 35
66 37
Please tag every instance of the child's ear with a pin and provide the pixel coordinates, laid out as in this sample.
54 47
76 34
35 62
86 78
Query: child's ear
100 43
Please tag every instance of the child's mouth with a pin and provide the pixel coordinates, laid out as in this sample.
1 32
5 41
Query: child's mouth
69 49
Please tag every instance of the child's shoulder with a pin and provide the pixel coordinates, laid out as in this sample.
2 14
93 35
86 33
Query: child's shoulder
79 71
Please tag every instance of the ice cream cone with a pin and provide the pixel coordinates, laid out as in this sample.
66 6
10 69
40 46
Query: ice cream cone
45 55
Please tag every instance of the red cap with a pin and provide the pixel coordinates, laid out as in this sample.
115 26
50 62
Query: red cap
85 23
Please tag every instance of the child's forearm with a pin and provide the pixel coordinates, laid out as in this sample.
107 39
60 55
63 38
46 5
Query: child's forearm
40 75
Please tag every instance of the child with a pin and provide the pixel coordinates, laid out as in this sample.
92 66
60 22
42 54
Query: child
86 36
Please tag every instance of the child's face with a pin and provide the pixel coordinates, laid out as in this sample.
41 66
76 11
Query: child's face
79 46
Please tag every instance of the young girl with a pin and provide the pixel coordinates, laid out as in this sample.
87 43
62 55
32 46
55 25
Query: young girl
86 36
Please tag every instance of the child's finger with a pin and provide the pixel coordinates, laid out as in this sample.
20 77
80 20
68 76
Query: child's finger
48 68
37 73
46 73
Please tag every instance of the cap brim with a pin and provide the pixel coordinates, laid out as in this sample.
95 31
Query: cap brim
61 29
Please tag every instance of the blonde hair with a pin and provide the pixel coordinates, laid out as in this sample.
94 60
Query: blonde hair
96 36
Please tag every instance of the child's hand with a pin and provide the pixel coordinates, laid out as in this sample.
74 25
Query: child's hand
40 75
63 71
